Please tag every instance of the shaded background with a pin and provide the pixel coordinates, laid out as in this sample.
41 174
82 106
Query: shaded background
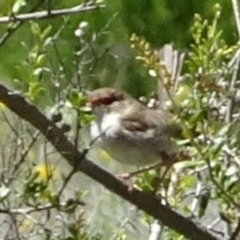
158 21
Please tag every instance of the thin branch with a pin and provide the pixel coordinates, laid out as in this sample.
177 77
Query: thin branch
236 231
155 231
15 26
213 223
25 153
122 225
45 14
70 175
10 31
143 200
196 198
229 152
234 64
29 210
236 15
49 6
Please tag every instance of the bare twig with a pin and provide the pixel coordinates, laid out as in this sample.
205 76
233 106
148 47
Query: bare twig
196 198
29 210
122 225
155 232
213 223
220 188
9 32
236 15
25 153
49 6
231 153
70 175
236 232
16 25
45 14
234 64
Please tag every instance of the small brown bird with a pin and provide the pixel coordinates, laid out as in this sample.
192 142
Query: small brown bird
130 132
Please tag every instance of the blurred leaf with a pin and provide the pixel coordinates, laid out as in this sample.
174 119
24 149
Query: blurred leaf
76 98
18 5
188 181
35 90
231 170
203 203
35 28
41 60
46 32
4 192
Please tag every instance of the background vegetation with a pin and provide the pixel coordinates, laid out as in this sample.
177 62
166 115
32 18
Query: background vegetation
53 60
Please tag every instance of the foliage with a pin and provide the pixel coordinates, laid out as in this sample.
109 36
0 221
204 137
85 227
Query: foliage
210 116
59 59
172 20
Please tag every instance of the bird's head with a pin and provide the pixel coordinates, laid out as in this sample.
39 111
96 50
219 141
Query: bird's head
105 97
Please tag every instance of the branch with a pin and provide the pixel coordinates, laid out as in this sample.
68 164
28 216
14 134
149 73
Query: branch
143 200
48 14
40 208
12 29
236 15
236 232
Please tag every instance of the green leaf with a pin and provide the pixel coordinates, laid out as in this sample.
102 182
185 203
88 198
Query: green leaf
18 5
4 192
203 203
35 90
41 60
76 98
46 32
35 28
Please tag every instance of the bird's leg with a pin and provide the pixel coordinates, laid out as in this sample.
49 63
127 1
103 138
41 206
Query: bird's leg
167 162
168 166
127 176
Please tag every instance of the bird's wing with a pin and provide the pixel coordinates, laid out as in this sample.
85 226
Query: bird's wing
151 121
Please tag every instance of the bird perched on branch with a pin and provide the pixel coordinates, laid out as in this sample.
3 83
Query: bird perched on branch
130 132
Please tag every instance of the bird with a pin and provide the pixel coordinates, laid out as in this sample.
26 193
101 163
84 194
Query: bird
129 131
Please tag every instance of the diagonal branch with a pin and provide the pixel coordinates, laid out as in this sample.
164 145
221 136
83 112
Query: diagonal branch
49 14
236 15
143 200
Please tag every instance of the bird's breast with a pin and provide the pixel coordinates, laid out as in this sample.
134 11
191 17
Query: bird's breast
106 127
135 148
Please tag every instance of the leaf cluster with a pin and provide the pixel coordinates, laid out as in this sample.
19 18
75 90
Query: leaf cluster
209 113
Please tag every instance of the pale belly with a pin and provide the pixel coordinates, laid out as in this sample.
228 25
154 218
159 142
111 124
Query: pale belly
129 150
129 153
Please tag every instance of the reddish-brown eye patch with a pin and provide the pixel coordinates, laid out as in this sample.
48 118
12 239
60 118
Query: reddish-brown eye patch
104 96
102 101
